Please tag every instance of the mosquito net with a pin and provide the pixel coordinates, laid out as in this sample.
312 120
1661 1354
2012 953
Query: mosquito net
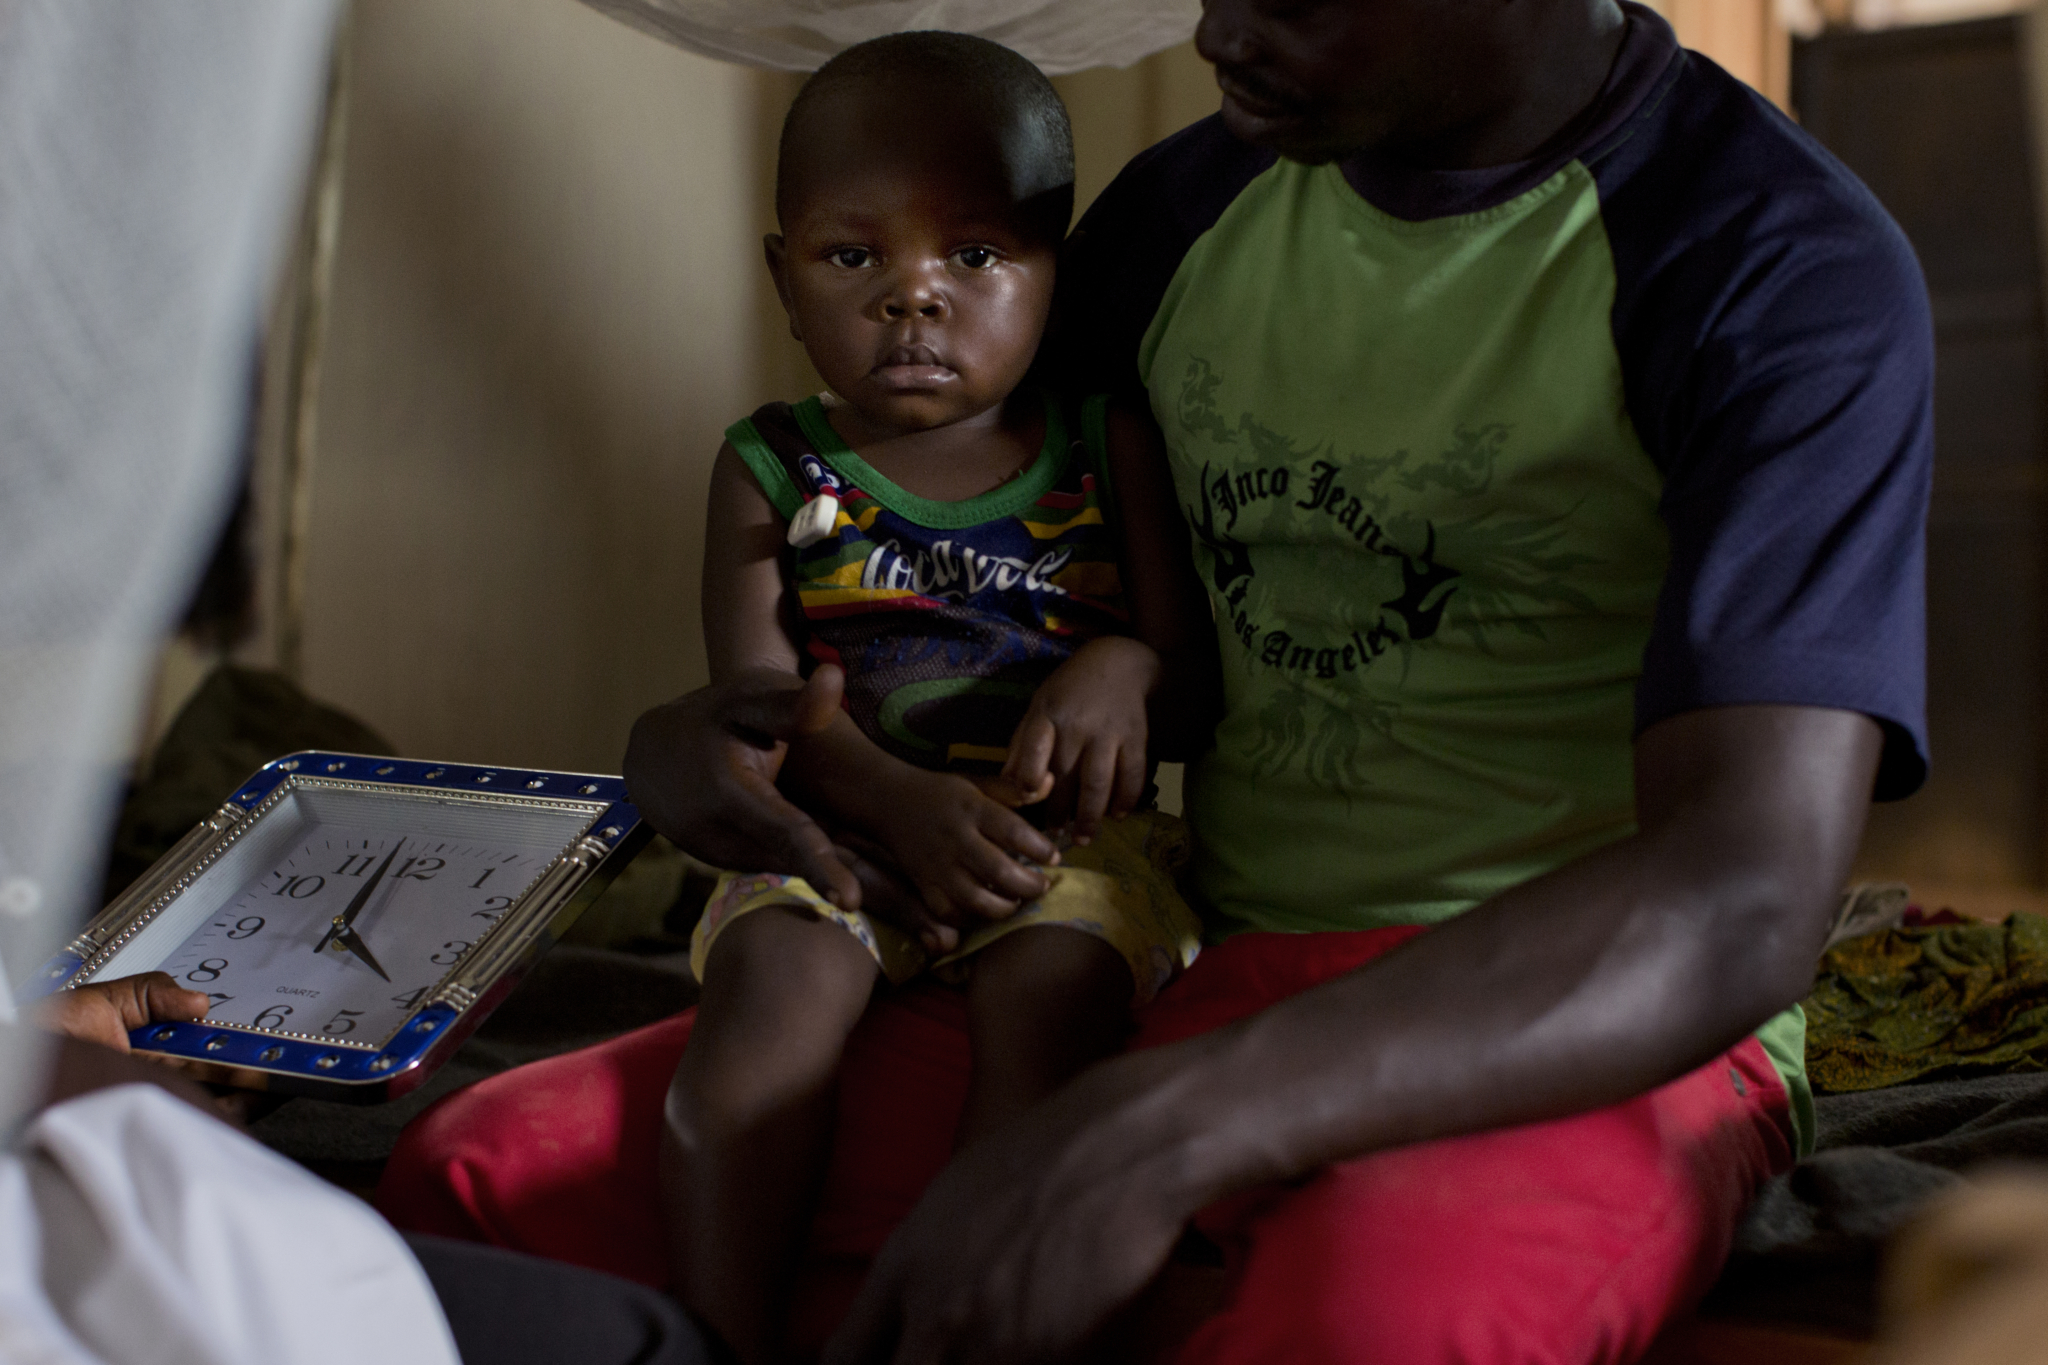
799 35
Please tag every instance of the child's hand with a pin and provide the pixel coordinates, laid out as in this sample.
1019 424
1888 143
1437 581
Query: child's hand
961 849
1082 743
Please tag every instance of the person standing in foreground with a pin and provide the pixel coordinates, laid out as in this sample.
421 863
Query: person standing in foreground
150 157
1553 421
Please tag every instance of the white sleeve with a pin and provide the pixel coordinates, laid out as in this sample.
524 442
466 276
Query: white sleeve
134 1230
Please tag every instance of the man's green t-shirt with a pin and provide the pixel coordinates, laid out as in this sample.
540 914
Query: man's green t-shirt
1433 581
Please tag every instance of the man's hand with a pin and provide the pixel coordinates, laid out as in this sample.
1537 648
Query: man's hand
1082 742
105 1011
702 770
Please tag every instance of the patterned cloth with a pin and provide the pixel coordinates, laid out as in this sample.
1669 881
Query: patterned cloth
1939 1003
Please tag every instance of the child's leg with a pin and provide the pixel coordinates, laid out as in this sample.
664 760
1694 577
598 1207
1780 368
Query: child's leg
1043 1004
749 1116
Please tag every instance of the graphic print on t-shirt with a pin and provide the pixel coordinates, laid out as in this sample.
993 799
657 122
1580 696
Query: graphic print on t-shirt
1407 588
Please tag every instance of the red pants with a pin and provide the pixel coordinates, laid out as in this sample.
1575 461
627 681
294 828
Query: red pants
1569 1241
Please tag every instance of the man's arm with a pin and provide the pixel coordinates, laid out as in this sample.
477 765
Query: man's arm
1170 611
1574 990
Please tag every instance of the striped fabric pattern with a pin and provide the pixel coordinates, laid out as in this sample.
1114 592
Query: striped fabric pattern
946 616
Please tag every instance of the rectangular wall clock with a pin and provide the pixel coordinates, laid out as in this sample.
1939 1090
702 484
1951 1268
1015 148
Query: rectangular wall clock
353 919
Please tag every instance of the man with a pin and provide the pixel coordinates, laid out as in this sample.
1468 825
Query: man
1551 418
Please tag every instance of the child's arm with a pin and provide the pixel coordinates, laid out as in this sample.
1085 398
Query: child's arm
954 843
1086 738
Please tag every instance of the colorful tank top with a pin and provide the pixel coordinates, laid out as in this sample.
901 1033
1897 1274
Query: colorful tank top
946 616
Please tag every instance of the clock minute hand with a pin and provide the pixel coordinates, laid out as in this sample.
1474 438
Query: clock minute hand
355 907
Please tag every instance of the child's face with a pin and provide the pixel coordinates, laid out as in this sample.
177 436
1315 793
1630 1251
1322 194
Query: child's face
914 280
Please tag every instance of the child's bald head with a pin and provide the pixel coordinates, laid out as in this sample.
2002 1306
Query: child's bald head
945 104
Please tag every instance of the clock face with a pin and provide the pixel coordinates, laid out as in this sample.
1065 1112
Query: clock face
339 909
271 958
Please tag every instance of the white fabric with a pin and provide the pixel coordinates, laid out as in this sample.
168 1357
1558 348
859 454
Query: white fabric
150 157
800 35
158 1235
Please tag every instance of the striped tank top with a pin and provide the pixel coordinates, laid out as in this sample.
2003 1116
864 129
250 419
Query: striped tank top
946 616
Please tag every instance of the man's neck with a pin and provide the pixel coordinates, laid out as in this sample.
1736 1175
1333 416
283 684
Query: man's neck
1538 81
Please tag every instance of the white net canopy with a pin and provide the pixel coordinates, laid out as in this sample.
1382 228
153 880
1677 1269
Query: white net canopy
801 35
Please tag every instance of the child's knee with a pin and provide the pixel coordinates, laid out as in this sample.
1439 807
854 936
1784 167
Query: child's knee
1047 967
784 958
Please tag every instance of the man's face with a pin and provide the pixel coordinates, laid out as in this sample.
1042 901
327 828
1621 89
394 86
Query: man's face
915 280
1317 79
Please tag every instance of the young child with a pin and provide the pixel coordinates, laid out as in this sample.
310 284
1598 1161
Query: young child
1006 584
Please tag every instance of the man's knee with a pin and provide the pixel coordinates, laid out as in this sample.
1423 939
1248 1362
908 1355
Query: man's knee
1570 1241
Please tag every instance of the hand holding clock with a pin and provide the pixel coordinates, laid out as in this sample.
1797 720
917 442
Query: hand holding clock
104 1011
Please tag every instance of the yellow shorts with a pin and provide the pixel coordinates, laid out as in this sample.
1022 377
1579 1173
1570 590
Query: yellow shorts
1119 888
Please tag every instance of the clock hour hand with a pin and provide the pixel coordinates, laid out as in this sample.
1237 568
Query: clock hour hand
355 907
347 937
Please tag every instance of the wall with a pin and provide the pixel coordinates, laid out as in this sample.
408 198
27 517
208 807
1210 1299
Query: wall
1747 37
542 320
1888 13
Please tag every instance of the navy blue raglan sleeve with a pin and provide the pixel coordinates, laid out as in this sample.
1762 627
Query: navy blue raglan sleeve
1777 352
1123 254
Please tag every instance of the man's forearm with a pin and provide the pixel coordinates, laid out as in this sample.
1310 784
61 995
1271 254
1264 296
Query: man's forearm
1508 1014
1576 990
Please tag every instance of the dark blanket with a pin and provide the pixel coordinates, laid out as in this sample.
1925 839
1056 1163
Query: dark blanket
1808 1252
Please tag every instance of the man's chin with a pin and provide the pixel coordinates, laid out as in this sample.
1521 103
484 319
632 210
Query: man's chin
1294 137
